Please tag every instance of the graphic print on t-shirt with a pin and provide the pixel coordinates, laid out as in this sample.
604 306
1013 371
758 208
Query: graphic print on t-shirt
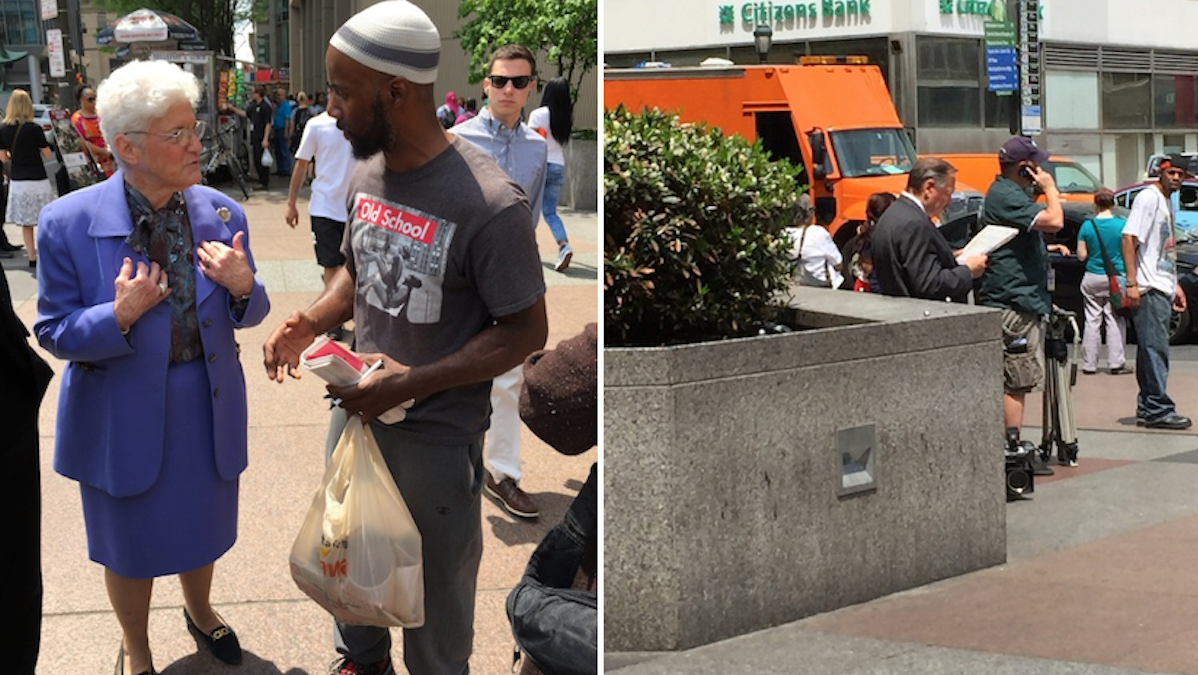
400 254
1166 260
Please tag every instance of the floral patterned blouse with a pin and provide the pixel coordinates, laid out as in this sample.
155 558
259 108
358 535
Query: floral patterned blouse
164 236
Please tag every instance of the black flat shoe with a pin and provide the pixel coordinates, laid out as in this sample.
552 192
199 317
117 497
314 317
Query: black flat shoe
120 664
10 247
222 642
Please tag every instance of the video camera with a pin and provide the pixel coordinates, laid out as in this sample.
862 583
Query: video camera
1020 479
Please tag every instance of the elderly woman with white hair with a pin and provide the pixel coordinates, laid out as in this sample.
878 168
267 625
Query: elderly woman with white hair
145 277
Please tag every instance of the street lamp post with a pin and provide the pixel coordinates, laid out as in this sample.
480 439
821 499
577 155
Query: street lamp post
763 38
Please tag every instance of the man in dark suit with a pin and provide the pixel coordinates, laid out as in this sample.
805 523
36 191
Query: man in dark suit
911 258
24 377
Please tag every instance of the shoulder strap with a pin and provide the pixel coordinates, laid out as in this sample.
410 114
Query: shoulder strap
1106 259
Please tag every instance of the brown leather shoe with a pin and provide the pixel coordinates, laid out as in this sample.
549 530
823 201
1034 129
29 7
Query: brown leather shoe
511 498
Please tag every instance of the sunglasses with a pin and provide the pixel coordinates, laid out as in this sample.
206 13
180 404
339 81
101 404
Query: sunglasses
500 81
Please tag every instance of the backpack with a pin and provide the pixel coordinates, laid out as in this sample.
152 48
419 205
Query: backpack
446 116
302 115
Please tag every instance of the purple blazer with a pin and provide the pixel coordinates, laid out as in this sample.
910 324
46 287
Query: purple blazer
111 406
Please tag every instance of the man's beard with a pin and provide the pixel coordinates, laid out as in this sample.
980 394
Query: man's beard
378 136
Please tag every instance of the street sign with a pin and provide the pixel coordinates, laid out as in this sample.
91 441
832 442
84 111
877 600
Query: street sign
1030 73
1002 62
49 9
58 62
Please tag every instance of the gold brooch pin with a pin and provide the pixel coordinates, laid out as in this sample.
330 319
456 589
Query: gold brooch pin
224 214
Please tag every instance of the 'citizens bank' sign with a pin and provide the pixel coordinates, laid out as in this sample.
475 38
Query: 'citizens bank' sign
770 12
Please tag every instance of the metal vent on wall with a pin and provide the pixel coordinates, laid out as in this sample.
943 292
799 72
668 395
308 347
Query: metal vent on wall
1174 62
1126 60
1071 57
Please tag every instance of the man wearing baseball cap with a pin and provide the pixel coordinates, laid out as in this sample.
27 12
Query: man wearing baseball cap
1150 260
1016 277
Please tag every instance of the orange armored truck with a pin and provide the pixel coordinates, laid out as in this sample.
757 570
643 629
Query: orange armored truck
831 115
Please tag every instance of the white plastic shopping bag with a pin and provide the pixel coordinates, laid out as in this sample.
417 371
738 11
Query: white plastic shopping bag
358 553
268 160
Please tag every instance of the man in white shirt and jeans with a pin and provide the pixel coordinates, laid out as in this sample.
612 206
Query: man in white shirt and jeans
324 141
1150 258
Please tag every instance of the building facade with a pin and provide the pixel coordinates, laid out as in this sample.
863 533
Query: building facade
298 33
1119 77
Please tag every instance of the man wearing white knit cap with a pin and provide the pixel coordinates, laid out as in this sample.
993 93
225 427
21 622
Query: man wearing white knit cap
443 281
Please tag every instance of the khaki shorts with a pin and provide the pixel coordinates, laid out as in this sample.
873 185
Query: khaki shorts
1022 372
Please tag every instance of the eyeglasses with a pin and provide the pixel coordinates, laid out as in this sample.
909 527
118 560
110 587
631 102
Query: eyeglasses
519 81
180 136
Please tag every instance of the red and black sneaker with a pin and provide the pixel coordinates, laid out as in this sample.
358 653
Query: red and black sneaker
347 666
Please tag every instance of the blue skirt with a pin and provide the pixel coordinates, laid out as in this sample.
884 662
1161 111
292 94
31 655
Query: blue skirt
188 518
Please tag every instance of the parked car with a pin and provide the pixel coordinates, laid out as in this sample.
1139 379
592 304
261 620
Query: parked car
1153 169
1067 270
41 115
977 170
1185 205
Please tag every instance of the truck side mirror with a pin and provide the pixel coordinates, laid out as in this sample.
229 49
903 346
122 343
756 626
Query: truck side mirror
819 154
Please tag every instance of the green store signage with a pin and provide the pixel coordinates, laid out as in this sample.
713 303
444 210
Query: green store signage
769 12
996 10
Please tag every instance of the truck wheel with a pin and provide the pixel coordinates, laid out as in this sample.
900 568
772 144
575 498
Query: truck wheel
844 233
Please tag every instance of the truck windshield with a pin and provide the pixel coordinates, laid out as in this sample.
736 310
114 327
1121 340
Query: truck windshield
1073 178
873 152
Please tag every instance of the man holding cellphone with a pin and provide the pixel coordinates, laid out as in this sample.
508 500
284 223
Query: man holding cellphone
1016 276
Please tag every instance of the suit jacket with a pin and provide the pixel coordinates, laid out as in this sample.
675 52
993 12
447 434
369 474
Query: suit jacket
912 259
24 377
111 407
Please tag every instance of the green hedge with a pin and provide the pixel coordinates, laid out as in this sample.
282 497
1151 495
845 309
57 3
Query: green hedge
694 231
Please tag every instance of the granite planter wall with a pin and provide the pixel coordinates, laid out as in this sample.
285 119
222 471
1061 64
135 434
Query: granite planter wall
725 508
582 157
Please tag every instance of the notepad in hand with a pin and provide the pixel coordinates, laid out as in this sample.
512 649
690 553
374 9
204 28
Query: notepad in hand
989 239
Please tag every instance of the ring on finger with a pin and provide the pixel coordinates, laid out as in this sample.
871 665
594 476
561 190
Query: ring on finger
162 288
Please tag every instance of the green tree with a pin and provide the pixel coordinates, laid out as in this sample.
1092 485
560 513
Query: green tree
566 30
214 19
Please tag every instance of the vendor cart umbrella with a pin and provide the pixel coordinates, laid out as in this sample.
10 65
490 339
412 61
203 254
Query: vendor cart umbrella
147 25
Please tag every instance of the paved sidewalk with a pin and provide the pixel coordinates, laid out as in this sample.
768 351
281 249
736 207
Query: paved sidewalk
1100 578
281 630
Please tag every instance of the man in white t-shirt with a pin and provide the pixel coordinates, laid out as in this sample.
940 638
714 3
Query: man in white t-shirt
327 205
1150 258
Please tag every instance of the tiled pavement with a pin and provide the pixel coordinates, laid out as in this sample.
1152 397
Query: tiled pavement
1101 575
280 629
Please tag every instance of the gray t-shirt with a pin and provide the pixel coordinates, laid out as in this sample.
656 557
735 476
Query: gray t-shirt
436 254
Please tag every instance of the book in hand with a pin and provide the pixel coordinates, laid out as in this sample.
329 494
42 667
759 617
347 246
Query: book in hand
989 239
333 363
339 366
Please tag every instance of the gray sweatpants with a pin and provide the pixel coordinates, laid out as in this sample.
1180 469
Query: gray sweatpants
441 485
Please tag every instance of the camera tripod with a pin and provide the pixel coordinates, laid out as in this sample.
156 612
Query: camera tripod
1060 374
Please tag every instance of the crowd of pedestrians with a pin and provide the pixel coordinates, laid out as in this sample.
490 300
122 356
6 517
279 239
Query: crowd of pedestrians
899 251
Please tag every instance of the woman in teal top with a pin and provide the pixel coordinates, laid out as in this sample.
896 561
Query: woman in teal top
1102 234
